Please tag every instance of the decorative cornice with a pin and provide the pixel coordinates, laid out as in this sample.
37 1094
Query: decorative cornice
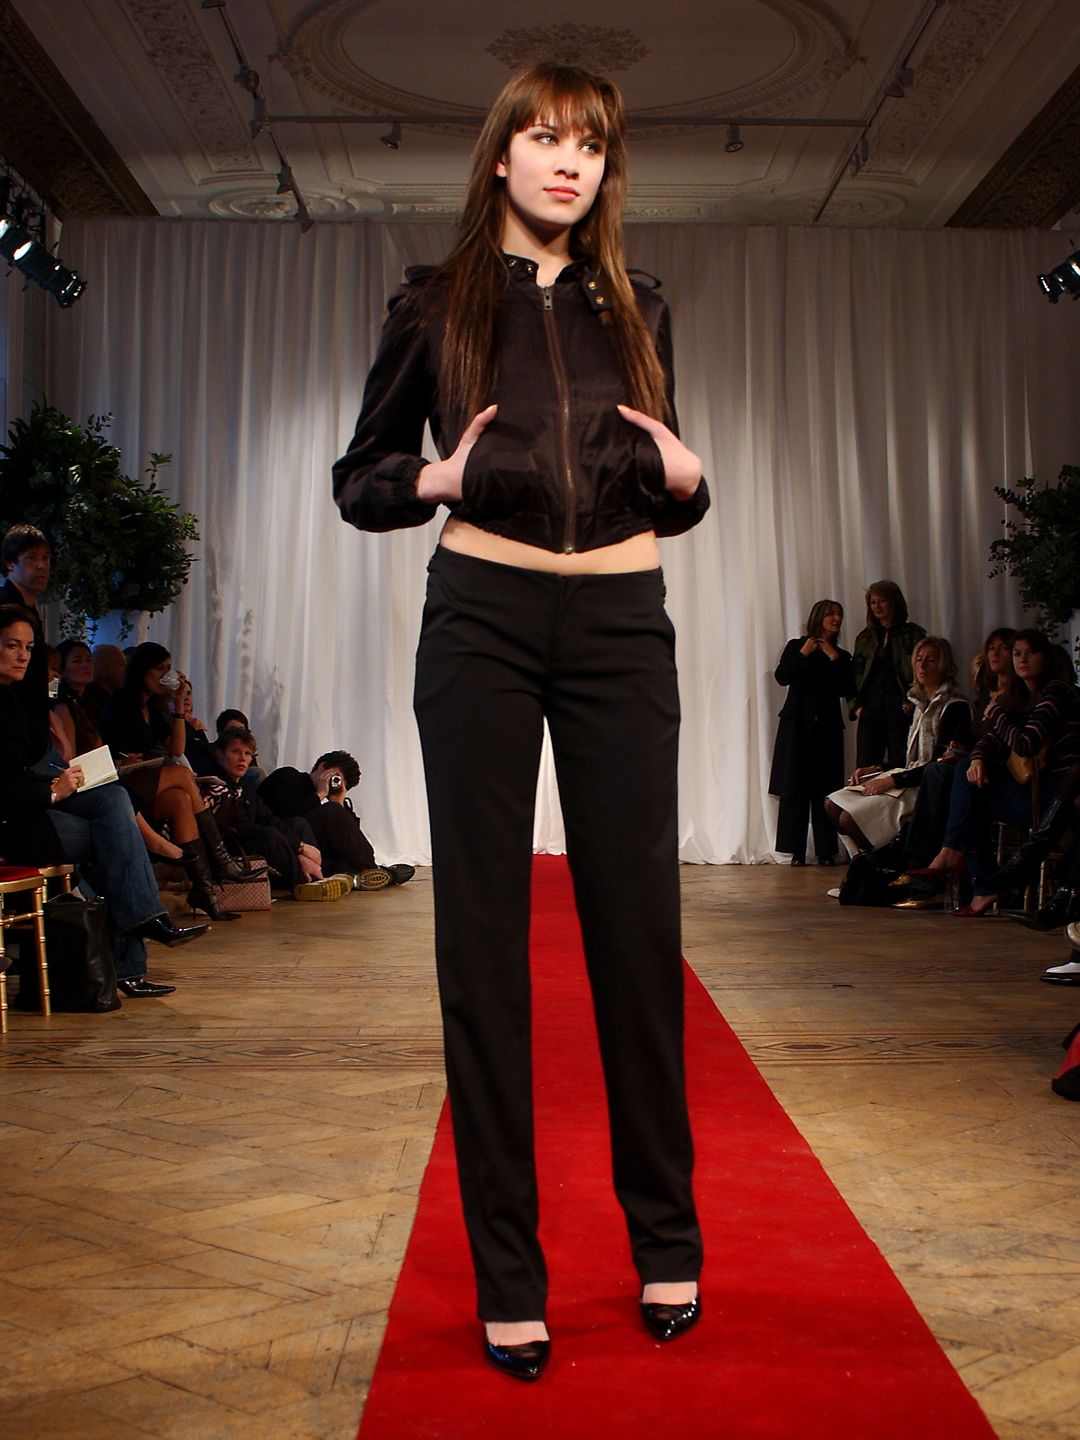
51 138
1037 181
965 37
176 48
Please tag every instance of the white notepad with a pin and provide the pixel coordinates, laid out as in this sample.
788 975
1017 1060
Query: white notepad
97 767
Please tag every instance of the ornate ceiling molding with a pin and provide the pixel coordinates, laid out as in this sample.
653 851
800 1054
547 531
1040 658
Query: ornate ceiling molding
1037 181
179 53
819 49
960 45
605 50
51 138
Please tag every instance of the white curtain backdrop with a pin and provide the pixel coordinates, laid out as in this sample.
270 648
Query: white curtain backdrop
855 396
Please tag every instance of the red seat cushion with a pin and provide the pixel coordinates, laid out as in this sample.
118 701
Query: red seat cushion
19 872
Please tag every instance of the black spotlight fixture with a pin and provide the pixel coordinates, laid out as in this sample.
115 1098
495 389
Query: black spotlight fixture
734 140
31 259
392 138
1064 279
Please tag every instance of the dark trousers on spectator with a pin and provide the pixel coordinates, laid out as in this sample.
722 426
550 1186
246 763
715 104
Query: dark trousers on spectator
343 845
502 649
791 823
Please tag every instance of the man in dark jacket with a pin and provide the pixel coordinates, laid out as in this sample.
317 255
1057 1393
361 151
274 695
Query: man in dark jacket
320 798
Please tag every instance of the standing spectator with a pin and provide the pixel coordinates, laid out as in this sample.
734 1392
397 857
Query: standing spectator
883 677
808 758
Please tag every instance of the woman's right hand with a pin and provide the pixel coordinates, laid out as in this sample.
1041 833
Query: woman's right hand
977 773
439 483
809 646
67 782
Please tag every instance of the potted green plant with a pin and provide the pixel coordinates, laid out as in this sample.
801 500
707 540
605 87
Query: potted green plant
119 544
1042 548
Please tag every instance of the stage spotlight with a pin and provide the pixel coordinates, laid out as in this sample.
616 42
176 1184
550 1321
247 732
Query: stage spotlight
31 259
1064 279
392 138
734 140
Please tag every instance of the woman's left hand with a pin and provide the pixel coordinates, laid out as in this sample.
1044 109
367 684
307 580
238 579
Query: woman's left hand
878 785
682 468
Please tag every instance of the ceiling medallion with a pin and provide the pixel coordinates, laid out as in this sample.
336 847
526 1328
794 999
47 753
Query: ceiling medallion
597 46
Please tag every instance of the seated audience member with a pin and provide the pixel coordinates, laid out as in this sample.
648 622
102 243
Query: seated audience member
320 797
142 722
109 665
233 719
77 717
198 751
47 821
26 556
1032 727
872 815
288 844
926 829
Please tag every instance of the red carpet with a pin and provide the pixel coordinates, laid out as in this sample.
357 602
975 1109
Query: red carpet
806 1331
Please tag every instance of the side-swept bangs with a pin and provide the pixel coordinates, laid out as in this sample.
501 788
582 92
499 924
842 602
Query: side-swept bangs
560 95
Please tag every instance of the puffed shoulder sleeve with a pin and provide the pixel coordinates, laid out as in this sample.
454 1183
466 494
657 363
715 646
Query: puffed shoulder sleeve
671 516
375 480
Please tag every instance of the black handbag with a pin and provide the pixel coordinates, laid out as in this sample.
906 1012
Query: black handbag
82 976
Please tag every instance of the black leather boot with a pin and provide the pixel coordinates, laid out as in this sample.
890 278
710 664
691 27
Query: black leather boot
223 866
1022 866
201 895
1062 908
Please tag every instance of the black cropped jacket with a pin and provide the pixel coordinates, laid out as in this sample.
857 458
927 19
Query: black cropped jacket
558 467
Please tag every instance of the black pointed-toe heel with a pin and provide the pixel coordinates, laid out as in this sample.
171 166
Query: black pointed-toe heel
523 1362
668 1322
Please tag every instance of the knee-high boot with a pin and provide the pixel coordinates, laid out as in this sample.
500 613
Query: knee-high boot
1023 865
223 866
201 895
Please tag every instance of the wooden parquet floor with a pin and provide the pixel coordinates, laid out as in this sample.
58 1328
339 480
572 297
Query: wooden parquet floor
207 1198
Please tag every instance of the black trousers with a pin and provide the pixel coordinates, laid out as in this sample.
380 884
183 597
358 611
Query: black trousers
502 649
791 823
343 845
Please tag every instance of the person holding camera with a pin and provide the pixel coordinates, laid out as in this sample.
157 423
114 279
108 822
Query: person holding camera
320 798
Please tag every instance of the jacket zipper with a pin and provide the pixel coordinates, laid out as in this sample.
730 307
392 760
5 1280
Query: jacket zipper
562 392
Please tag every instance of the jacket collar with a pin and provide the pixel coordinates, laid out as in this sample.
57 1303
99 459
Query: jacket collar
590 281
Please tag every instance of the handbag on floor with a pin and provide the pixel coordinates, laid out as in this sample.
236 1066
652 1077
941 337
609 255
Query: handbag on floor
246 895
82 976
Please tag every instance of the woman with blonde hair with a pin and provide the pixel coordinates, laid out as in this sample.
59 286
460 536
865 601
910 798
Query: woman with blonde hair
871 811
545 373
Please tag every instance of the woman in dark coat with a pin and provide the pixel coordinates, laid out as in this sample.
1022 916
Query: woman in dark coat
808 759
883 677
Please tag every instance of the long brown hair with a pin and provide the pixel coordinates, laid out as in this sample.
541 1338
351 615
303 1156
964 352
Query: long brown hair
1016 698
474 273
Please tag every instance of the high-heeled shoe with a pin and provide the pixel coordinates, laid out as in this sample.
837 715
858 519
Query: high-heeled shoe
521 1362
201 895
224 866
968 912
668 1322
161 929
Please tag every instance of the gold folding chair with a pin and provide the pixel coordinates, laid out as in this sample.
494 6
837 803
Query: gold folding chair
25 880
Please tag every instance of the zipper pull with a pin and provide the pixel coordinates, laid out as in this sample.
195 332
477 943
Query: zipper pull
545 290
